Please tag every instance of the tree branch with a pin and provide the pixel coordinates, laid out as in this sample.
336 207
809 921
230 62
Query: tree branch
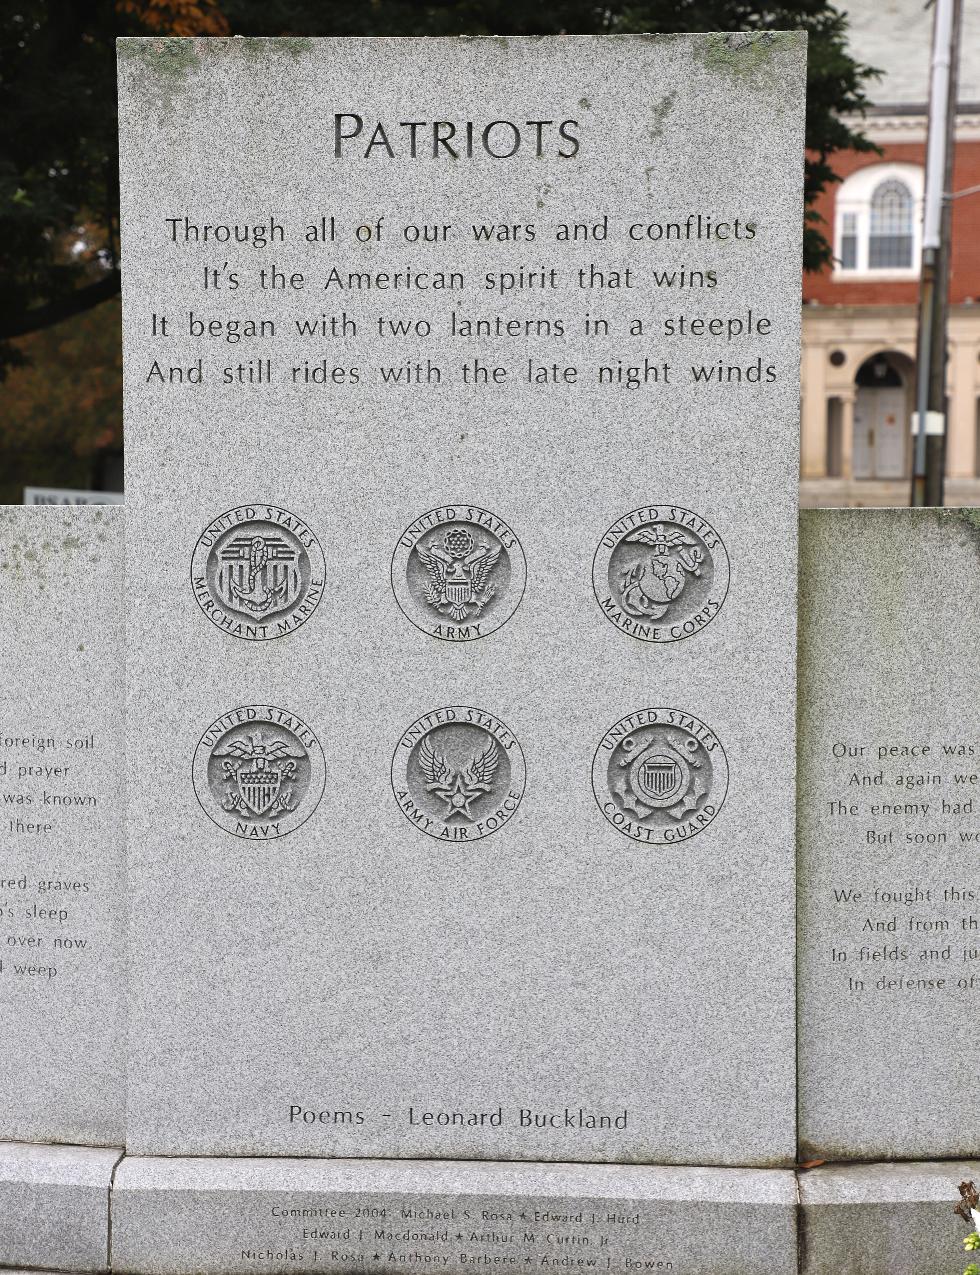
72 303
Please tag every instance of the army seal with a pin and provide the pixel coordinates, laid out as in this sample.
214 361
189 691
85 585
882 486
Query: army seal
661 573
259 772
660 776
257 572
458 774
458 572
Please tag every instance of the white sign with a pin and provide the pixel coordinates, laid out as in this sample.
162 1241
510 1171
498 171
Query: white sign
935 422
68 496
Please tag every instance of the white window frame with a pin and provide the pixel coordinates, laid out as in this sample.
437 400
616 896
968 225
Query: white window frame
854 196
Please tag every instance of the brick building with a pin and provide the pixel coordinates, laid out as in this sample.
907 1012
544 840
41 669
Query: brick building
860 316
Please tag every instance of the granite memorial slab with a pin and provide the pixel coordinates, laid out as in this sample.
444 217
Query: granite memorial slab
54 1206
462 654
889 825
231 1216
876 1219
62 992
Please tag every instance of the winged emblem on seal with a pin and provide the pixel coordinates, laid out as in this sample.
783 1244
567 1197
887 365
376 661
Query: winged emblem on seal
649 587
459 571
257 774
459 788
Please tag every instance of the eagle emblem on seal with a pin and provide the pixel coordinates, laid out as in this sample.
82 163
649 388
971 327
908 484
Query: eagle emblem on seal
258 773
649 587
459 788
459 571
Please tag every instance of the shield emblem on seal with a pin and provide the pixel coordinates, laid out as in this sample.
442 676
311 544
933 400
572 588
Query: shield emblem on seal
259 786
659 777
459 585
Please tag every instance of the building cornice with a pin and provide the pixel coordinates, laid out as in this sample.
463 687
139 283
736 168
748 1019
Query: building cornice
835 313
896 124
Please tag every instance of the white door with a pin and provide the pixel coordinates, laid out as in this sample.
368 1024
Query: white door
891 432
879 432
864 433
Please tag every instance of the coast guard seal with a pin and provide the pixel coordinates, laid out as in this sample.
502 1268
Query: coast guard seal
259 772
257 572
661 573
458 774
458 572
660 776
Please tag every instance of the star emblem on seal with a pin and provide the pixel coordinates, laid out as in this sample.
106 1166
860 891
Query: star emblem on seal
458 774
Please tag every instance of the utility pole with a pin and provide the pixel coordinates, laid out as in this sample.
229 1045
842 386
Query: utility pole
930 416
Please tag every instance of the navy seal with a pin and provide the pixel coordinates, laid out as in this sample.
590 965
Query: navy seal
259 772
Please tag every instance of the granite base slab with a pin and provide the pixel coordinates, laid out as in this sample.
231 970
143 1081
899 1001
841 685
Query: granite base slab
54 1206
881 1219
177 1216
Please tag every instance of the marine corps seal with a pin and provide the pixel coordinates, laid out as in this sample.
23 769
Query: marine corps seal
257 572
458 572
660 776
458 774
259 772
660 573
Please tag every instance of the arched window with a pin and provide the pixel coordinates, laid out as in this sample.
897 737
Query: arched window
878 222
890 235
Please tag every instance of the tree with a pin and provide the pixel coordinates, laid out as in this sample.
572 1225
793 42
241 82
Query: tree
59 253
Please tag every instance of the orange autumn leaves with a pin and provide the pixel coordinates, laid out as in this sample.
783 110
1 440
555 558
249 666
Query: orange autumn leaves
176 17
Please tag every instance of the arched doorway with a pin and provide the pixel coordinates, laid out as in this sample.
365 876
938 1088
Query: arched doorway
882 409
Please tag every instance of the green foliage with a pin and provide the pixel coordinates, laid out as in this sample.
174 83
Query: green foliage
58 159
836 83
972 1242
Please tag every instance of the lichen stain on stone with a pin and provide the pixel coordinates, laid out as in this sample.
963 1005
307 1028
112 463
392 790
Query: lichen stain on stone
27 559
542 194
966 521
585 104
742 54
501 41
169 57
659 112
164 64
293 46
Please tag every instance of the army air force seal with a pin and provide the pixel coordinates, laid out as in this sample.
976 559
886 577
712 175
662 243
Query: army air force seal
259 772
257 572
660 573
458 572
458 774
660 776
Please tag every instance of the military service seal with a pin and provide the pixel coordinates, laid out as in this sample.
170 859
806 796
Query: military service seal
458 572
257 572
259 772
660 573
458 774
660 776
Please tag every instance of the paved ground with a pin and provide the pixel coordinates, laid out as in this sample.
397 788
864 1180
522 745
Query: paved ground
835 493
